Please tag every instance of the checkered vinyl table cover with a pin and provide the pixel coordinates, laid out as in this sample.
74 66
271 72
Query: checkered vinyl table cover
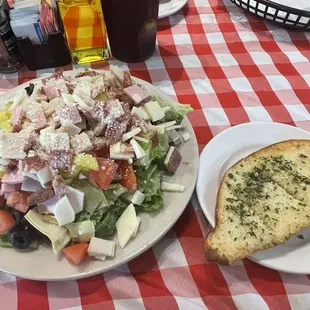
232 68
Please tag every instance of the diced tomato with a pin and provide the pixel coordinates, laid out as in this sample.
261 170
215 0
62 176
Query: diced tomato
18 200
106 172
6 222
127 174
102 152
76 253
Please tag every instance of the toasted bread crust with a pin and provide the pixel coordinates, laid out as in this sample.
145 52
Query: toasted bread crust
213 253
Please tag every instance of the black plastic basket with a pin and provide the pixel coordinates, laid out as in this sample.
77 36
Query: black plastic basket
281 14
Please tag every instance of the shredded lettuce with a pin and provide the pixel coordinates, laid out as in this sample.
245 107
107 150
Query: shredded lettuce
176 112
154 154
107 226
114 192
149 181
93 196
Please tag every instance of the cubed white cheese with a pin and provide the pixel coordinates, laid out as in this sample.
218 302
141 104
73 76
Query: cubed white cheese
4 162
174 127
43 135
64 212
67 98
48 206
101 247
166 109
44 176
81 103
140 111
117 72
81 143
126 225
69 128
126 136
186 137
118 151
18 98
159 129
154 110
171 187
31 175
166 161
102 257
56 141
137 227
12 145
166 124
30 185
137 148
137 198
76 198
141 139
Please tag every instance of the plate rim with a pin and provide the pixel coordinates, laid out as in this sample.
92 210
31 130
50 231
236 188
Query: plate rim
85 274
172 11
203 206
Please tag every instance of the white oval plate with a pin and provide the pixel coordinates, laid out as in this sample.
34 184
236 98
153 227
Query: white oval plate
169 7
42 264
226 149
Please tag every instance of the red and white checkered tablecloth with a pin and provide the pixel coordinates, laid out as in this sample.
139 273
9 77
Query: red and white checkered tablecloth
233 68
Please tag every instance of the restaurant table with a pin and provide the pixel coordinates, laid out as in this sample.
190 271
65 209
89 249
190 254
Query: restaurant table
232 68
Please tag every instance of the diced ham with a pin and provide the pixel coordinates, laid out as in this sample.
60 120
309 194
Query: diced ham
70 83
40 119
15 176
87 73
69 114
51 92
98 129
114 93
17 118
60 159
99 111
54 85
81 143
115 130
9 188
34 162
59 186
40 196
56 75
18 201
127 79
137 94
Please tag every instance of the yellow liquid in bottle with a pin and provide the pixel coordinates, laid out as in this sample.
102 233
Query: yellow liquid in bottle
84 26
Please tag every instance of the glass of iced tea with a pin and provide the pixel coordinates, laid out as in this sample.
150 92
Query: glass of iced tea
132 27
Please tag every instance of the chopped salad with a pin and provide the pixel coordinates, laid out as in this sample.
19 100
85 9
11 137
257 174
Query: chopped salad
81 157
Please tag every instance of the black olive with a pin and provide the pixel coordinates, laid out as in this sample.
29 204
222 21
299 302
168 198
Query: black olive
20 239
29 89
17 216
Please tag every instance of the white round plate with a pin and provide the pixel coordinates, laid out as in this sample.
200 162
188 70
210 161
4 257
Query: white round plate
226 149
42 264
169 7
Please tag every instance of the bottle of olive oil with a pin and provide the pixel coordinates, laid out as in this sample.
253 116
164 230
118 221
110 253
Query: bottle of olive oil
85 30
